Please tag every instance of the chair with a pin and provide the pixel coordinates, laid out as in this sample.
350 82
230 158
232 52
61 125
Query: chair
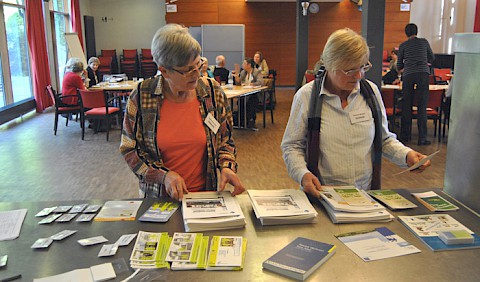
309 77
106 65
129 62
434 108
269 98
95 105
442 76
60 107
148 67
392 107
111 53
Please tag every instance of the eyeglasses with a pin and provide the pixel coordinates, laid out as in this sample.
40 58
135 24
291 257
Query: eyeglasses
363 69
198 68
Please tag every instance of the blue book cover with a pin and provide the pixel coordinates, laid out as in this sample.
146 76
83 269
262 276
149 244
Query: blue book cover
299 258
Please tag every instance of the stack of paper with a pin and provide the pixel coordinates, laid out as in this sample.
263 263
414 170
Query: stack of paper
392 199
349 204
203 211
434 202
150 250
188 251
118 210
288 206
227 253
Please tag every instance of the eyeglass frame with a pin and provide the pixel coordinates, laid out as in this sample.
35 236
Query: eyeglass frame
192 71
363 69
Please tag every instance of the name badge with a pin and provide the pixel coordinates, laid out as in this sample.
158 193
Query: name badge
212 123
360 116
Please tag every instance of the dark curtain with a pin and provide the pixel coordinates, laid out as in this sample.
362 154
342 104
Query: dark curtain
38 50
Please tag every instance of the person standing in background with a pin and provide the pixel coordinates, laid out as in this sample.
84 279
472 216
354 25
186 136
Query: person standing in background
261 63
414 56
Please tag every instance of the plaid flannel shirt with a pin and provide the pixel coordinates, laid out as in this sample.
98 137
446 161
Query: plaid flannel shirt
139 143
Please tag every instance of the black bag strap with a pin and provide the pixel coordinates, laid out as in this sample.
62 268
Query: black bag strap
314 122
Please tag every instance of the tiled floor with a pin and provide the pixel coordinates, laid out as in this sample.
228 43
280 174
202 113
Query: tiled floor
35 165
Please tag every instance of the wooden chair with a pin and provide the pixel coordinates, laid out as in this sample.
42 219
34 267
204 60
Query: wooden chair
62 108
95 105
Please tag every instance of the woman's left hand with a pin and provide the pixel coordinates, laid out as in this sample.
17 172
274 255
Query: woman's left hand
228 176
414 157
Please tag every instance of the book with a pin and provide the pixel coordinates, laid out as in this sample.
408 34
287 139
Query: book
347 217
150 250
203 211
300 258
391 199
376 244
118 211
427 228
434 202
201 262
349 199
287 206
227 253
159 212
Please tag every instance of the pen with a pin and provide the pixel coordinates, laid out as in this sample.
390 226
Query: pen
11 278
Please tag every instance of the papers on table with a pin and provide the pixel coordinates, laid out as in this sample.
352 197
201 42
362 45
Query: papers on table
211 211
11 223
118 210
150 250
418 164
392 199
434 202
227 253
375 244
101 272
288 206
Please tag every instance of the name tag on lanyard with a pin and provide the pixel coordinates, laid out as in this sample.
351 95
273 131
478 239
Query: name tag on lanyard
212 123
360 116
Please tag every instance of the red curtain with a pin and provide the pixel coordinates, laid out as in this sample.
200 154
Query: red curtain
76 19
38 50
476 24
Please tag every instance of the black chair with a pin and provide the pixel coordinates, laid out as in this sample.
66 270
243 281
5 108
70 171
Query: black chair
62 108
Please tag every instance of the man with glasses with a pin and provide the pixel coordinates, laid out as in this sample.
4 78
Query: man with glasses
349 120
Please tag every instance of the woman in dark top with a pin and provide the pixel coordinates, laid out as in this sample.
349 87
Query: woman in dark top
92 68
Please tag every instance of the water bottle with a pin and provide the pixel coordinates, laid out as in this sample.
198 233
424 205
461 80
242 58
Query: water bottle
230 79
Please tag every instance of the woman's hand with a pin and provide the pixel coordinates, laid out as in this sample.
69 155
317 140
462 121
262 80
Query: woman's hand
414 157
311 184
228 176
175 185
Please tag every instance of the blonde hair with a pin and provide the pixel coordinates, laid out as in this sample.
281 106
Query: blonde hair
345 49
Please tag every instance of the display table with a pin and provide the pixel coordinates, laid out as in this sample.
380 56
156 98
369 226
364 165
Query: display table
263 241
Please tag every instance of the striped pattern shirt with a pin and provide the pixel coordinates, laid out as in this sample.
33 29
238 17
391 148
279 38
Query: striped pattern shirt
346 148
138 144
414 55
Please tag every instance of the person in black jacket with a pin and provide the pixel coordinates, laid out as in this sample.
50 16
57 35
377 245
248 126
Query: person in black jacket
92 68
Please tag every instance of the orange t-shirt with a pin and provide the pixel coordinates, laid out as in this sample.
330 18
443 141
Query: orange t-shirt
182 141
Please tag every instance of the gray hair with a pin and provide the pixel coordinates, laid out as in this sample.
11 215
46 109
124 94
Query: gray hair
74 65
93 60
173 46
220 60
345 49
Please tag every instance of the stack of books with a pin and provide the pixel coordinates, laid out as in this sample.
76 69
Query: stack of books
203 211
188 251
150 250
434 202
349 204
288 206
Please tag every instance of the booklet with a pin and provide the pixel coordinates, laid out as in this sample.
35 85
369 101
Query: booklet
209 204
150 250
392 199
227 253
160 212
376 244
349 199
201 262
184 247
118 211
434 202
278 203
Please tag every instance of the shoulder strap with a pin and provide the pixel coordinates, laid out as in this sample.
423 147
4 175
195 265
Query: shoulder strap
367 92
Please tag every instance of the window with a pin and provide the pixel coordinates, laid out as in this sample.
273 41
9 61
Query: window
15 81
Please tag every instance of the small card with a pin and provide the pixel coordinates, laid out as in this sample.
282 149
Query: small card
3 260
63 234
360 116
62 209
103 272
50 218
125 240
92 241
108 250
92 208
66 217
418 164
78 208
85 217
212 123
45 211
42 243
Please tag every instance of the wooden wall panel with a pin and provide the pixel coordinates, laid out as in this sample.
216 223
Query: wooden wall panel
270 27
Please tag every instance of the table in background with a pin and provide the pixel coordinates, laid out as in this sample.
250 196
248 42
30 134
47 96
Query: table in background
241 92
263 241
430 87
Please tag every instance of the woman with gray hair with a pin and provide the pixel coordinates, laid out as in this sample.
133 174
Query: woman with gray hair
177 134
72 80
93 64
351 123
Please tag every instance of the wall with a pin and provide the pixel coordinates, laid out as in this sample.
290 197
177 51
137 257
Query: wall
270 27
129 25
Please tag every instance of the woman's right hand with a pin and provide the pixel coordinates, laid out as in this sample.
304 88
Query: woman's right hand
311 185
175 185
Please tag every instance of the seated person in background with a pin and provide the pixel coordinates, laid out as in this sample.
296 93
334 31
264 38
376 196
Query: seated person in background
166 140
205 71
72 80
250 76
391 77
92 68
261 63
220 69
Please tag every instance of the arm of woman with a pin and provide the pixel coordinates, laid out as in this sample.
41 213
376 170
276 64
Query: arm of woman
265 70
